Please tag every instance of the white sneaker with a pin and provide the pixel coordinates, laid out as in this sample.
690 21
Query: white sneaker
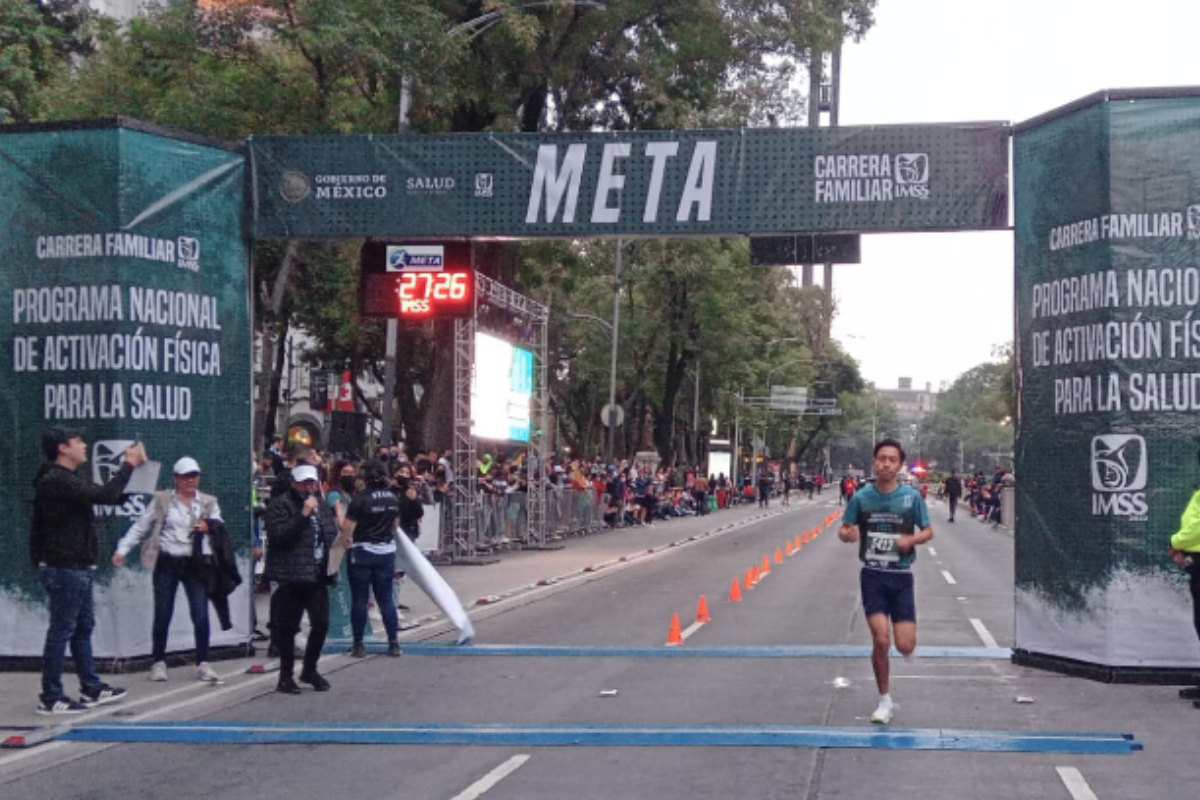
158 671
206 674
883 714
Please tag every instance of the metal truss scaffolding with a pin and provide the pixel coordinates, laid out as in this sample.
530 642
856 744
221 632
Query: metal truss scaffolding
532 319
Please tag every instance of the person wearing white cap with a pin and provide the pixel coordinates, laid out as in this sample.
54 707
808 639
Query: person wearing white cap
178 520
300 530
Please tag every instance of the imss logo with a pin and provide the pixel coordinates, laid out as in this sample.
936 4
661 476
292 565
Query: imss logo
1193 223
1119 472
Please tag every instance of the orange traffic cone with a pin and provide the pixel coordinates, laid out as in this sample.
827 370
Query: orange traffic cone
674 637
790 550
702 611
755 574
805 539
735 592
798 542
749 579
766 566
778 556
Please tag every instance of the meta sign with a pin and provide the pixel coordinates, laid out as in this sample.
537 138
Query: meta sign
416 281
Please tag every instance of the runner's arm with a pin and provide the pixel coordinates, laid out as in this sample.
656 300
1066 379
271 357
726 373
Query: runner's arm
849 531
907 542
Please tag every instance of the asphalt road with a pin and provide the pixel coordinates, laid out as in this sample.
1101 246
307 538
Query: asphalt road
965 599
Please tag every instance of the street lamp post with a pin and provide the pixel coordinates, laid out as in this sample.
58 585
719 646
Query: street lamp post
474 28
613 329
612 373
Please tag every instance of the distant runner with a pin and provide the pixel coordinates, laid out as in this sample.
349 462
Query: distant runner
888 521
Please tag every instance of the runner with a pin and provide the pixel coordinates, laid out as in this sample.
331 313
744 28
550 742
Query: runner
889 521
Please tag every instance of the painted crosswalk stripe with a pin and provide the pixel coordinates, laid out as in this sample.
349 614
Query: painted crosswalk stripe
1076 785
984 634
501 772
949 578
933 552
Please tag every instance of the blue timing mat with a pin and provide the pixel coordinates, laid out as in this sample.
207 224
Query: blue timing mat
771 651
560 735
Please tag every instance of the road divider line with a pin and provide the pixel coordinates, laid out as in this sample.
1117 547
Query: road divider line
932 552
690 629
479 787
1076 785
949 578
984 634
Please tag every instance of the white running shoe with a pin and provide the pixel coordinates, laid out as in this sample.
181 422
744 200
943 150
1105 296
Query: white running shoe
883 714
206 674
158 671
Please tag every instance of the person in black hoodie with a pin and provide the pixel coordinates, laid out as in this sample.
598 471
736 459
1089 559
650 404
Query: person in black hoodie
64 547
300 531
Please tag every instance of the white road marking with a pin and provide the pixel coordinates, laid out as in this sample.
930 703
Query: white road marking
501 772
984 633
1076 785
690 629
949 578
933 552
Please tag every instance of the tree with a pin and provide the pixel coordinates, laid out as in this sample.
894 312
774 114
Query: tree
322 66
37 41
973 419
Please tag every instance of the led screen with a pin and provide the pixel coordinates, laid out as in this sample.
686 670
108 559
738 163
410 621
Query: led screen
501 390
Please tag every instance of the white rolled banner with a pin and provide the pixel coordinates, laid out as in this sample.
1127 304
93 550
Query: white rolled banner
413 562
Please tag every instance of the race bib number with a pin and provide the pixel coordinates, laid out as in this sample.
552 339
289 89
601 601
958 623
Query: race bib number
881 547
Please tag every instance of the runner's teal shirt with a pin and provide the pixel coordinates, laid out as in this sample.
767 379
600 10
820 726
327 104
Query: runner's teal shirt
881 519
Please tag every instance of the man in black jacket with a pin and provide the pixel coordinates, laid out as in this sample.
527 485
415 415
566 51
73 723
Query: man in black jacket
300 530
954 489
64 547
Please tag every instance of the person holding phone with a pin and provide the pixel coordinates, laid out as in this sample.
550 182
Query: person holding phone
63 545
177 521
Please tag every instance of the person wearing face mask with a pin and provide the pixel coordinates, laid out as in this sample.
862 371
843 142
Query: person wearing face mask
343 486
369 527
300 530
411 511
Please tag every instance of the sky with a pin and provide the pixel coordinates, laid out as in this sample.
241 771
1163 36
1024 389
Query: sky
931 306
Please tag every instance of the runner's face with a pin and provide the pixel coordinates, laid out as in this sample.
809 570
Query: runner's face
887 463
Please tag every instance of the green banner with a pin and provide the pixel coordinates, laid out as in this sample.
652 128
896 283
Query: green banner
123 313
1108 283
653 183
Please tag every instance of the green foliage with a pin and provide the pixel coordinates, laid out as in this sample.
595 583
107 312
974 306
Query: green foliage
307 66
974 417
36 42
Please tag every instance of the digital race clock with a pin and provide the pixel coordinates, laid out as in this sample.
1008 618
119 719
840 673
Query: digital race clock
417 281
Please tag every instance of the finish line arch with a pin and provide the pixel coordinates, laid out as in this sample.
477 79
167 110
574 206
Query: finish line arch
1107 214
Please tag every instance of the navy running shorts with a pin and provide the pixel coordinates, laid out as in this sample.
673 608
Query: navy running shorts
889 592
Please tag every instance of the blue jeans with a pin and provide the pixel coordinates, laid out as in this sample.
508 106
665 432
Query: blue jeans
371 572
72 619
169 572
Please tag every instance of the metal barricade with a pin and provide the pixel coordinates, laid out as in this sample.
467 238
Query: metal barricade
571 512
502 520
